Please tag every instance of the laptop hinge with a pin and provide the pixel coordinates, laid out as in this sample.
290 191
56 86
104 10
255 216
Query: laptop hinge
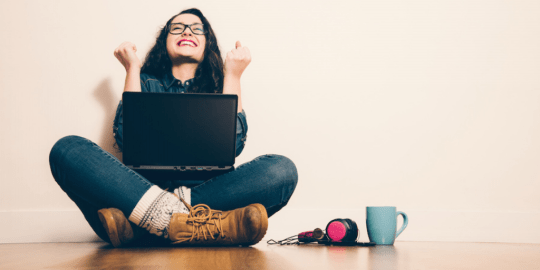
181 168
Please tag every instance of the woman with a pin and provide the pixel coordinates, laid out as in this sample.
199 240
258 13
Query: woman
185 58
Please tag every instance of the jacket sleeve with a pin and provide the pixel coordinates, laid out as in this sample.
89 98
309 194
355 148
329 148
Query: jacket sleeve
241 132
118 125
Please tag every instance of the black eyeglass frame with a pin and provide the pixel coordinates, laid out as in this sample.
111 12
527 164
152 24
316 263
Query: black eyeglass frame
186 26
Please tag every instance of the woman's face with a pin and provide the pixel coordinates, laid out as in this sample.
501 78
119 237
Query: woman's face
187 44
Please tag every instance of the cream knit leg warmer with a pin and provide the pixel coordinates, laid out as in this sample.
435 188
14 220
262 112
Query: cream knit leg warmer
154 210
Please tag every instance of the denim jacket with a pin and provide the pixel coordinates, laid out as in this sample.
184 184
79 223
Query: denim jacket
169 84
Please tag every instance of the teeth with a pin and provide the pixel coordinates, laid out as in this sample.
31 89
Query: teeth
187 43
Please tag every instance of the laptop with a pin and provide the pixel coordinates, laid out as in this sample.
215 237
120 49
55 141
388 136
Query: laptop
179 136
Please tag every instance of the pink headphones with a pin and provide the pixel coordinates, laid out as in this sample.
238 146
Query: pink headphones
340 231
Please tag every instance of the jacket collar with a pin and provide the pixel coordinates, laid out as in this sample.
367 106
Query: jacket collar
169 80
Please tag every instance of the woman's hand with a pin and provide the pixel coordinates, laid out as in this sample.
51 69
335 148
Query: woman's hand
125 53
236 61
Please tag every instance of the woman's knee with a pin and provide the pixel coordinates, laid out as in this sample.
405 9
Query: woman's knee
62 147
283 170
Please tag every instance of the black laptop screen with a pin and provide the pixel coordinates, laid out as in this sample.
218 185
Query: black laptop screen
166 129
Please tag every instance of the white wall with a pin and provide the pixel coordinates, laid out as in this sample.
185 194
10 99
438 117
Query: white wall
431 106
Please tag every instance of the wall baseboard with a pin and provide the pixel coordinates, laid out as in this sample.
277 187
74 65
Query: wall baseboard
443 226
45 226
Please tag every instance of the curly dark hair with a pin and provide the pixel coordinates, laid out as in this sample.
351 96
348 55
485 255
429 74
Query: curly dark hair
209 73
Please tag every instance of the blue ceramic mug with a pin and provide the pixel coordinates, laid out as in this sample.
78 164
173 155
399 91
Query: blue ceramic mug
381 222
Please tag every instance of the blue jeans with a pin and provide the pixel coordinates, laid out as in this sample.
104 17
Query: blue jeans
95 179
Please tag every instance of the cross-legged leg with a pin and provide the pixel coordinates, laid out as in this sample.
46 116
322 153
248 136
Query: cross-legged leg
95 179
269 180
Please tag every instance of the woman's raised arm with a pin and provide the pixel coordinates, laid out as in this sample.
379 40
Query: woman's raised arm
235 63
125 53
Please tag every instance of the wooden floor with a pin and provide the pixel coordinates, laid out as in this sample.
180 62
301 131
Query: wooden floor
403 255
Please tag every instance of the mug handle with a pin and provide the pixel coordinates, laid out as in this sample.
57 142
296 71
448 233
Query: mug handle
405 222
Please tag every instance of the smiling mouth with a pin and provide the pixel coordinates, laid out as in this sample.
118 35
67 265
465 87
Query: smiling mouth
186 43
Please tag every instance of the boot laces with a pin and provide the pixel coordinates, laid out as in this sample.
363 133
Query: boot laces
205 222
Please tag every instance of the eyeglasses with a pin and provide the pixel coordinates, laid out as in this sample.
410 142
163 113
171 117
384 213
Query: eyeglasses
179 28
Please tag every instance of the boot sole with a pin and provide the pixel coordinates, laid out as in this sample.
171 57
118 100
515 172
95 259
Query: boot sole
107 219
264 226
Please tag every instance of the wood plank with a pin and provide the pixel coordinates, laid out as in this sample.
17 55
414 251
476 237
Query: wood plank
403 255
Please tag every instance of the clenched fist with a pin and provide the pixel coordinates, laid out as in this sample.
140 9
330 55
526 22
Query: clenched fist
125 53
237 60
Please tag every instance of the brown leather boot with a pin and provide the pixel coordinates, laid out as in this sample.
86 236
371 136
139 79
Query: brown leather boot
204 226
118 227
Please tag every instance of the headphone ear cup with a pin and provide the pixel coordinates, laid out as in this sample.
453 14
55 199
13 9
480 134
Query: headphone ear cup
311 236
317 234
337 230
352 233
